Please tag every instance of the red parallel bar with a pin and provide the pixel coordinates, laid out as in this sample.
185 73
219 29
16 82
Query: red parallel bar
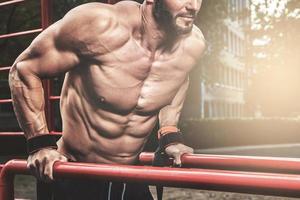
20 33
11 2
4 68
233 181
5 100
270 164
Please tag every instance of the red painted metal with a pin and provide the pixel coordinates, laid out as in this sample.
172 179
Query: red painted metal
5 100
249 182
54 98
13 134
11 2
46 18
257 163
20 33
7 176
4 69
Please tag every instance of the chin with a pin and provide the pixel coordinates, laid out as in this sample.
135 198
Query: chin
184 30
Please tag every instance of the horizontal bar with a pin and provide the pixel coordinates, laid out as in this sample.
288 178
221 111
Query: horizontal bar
5 101
16 134
232 181
55 132
4 68
21 33
11 2
267 164
54 97
13 134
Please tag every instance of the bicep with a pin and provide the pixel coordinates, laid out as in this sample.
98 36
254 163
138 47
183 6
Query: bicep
44 58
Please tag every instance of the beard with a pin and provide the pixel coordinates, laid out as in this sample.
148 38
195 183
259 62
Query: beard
168 21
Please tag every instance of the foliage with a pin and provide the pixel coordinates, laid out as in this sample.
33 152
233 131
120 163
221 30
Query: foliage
274 57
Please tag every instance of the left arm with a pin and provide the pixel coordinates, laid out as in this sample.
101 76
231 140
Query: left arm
169 117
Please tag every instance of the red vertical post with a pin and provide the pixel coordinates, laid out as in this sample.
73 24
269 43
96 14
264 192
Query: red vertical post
46 19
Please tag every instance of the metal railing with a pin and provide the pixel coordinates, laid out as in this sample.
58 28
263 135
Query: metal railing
277 184
245 163
46 17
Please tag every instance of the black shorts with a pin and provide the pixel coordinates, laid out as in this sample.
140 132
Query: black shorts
97 190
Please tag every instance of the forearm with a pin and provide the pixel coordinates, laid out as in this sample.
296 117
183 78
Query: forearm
28 101
169 116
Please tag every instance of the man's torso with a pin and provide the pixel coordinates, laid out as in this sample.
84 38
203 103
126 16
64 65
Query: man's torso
109 103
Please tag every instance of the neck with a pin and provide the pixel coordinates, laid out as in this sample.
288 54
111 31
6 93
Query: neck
154 36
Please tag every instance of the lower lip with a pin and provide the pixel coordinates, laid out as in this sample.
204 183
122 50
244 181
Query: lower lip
188 18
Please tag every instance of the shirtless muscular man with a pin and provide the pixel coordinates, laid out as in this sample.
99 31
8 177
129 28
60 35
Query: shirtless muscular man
126 67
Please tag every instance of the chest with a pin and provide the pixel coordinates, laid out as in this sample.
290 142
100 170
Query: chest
128 79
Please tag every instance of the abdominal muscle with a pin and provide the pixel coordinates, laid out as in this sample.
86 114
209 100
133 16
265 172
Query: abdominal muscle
101 136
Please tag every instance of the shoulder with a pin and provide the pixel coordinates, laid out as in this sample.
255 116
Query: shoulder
88 17
195 43
100 15
129 13
87 25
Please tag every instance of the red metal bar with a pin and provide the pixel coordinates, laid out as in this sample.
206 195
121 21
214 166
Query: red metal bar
5 101
54 97
4 69
11 2
20 33
269 164
7 176
233 181
13 134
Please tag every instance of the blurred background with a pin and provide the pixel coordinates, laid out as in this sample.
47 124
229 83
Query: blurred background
246 84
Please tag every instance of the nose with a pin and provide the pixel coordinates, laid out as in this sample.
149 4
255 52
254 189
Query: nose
193 5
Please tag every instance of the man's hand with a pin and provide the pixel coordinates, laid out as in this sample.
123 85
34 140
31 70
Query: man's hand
176 151
41 163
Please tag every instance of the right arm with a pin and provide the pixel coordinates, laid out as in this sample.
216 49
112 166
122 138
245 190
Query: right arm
43 58
56 50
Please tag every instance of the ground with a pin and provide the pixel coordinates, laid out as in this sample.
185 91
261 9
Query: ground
25 189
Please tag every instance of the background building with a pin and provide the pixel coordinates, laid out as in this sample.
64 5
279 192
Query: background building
223 95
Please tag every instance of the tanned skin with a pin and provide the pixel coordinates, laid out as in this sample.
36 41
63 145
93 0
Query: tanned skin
126 67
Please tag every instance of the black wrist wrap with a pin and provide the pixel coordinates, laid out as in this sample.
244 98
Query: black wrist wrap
170 138
36 143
